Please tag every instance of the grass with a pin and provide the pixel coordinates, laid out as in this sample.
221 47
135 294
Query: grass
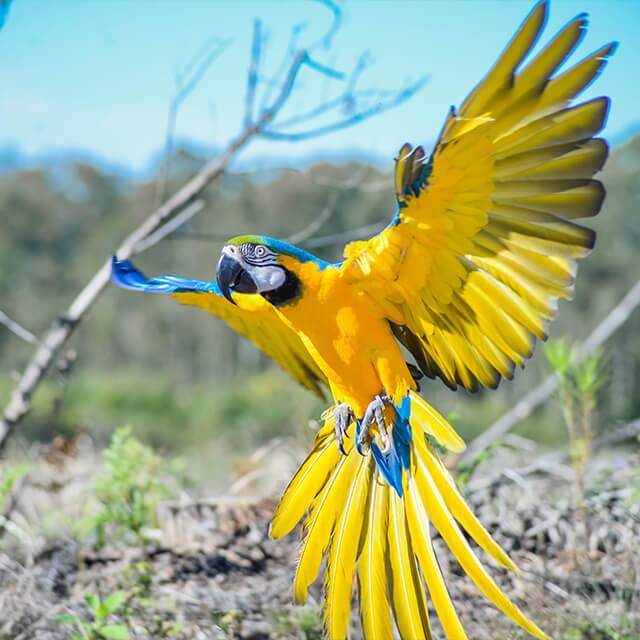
246 411
128 492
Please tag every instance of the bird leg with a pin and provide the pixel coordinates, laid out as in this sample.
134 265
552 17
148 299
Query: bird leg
374 413
343 416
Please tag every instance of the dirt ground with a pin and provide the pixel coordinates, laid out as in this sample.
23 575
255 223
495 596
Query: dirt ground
214 573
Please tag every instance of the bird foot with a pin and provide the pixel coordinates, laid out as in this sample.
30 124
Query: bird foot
343 416
374 414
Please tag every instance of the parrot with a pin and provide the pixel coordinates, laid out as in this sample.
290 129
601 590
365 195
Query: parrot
465 279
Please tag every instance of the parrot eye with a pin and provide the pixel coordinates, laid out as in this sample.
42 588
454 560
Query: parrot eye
260 251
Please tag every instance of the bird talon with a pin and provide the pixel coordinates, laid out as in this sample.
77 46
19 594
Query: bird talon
343 416
374 413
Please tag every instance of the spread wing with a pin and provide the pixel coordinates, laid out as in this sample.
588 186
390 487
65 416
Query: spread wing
253 317
484 241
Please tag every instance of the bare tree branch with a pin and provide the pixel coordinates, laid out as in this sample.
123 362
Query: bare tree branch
383 101
252 76
175 223
343 238
523 409
17 329
162 221
186 81
317 223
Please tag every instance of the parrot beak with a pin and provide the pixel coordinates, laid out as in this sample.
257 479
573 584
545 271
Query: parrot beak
231 276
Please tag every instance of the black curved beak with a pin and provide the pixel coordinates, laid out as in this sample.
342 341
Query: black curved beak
232 277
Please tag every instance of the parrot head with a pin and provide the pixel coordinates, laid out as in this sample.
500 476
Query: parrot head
254 264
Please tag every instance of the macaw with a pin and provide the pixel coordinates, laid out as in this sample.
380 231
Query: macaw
465 276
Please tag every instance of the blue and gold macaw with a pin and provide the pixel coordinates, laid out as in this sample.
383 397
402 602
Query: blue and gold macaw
483 244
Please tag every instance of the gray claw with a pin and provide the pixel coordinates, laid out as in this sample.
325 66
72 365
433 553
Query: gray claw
343 416
375 412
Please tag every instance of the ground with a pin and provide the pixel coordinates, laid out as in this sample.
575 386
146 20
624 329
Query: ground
211 571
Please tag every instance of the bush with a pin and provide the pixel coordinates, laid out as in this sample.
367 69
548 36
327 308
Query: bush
128 491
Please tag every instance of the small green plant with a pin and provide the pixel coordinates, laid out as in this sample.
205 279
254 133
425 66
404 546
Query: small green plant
600 631
227 621
579 385
8 480
300 622
128 491
466 469
99 626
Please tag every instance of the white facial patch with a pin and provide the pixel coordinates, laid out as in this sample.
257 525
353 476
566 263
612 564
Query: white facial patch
266 278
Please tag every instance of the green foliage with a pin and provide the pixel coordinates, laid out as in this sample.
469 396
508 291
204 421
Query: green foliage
579 385
466 469
300 622
601 631
147 609
8 479
195 379
227 621
128 491
100 611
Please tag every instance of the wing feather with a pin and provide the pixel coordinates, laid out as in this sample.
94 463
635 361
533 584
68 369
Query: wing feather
485 241
252 317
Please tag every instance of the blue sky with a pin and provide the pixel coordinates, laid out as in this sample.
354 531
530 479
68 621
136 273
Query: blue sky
98 75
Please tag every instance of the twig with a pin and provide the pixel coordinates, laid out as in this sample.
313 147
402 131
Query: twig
17 329
523 409
552 462
175 223
63 327
252 76
317 223
378 107
344 237
186 82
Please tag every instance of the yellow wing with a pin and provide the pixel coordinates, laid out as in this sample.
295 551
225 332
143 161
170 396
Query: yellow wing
484 241
256 319
252 317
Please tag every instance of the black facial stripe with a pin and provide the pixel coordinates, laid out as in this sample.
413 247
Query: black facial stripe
257 255
264 261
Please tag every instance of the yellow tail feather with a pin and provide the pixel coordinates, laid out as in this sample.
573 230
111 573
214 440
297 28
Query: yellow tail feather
375 612
365 527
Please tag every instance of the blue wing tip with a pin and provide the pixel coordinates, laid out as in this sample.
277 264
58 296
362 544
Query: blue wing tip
125 275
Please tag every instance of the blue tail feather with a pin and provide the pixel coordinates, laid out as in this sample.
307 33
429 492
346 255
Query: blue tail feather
392 463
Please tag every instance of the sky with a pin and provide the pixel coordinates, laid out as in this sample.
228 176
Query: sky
97 76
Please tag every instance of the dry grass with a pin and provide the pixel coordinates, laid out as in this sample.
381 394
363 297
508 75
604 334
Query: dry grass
212 572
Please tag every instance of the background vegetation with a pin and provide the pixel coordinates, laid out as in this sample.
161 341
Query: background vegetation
180 377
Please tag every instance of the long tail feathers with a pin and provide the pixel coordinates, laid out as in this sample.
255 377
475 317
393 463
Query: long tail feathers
370 530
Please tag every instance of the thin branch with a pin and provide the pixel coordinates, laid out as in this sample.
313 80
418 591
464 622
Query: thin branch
342 238
330 240
552 462
317 223
382 106
187 80
327 40
17 329
523 409
63 327
375 95
252 76
175 223
162 221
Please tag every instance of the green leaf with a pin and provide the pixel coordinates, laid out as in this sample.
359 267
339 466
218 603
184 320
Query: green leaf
114 601
114 632
66 618
93 601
